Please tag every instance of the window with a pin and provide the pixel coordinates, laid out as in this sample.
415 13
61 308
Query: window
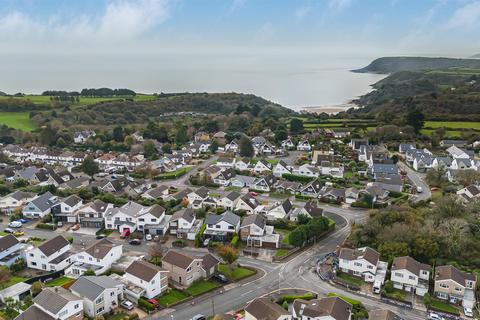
153 220
443 285
189 269
112 294
141 219
99 300
370 267
411 277
357 264
398 274
76 306
458 289
31 255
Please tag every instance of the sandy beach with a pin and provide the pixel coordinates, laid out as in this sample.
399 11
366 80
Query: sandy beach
333 109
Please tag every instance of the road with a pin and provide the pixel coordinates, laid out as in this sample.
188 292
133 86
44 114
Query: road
418 181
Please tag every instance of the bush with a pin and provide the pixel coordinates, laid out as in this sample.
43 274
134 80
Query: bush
179 243
234 241
46 226
145 305
291 298
48 218
18 265
199 236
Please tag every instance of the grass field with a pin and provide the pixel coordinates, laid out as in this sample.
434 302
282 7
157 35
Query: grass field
59 282
443 307
448 133
349 279
235 274
456 71
17 120
173 296
452 125
201 287
13 280
39 99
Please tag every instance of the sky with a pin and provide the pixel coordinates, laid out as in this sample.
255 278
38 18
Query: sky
286 50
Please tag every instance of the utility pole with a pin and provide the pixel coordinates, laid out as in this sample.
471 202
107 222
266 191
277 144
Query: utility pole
213 307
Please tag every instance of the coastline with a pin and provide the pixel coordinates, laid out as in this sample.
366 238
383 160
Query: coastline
331 109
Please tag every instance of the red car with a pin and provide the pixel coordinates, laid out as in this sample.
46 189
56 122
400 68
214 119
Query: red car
253 194
154 303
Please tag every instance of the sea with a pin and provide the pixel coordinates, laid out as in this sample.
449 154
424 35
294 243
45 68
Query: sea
294 80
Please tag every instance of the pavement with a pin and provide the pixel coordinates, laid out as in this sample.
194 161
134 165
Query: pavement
418 180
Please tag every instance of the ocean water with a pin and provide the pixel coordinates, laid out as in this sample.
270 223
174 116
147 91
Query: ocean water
292 79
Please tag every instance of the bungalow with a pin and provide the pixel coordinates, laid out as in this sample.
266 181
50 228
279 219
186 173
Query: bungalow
458 153
101 295
444 162
469 193
248 203
455 285
242 165
281 168
351 195
422 163
98 257
232 146
304 145
332 194
40 206
197 195
449 143
156 193
256 233
306 170
361 262
383 169
390 182
355 144
83 136
224 177
461 164
221 227
15 200
262 166
288 144
226 162
312 189
330 308
185 269
152 279
264 183
242 181
10 250
404 147
229 201
280 210
287 186
265 309
310 210
74 184
51 255
65 210
410 275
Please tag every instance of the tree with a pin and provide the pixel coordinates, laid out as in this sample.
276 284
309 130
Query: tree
118 134
181 136
5 275
213 146
211 126
229 254
390 250
89 166
427 300
296 126
281 134
167 148
416 119
156 254
61 143
129 140
150 150
48 136
36 288
468 177
298 236
89 272
303 219
436 177
246 148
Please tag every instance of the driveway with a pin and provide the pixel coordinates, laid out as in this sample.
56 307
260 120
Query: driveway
417 179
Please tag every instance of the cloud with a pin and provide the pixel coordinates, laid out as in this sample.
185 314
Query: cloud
339 4
236 4
467 16
266 32
301 12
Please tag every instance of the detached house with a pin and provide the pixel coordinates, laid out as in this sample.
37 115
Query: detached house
249 204
312 189
264 183
151 278
156 193
280 210
262 166
455 285
15 200
330 308
410 275
281 168
51 255
360 262
184 225
224 177
226 162
221 227
196 197
10 250
92 214
265 309
100 295
98 257
255 232
184 269
40 206
65 210
229 201
304 145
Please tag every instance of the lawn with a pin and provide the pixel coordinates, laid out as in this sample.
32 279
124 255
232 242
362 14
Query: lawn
236 274
172 296
448 133
443 307
17 120
397 294
201 287
280 253
353 302
349 279
118 316
13 280
174 174
59 282
452 124
284 234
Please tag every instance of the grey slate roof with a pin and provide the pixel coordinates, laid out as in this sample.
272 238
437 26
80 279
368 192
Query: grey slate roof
19 195
91 286
34 313
54 299
7 241
255 219
72 201
53 245
186 214
227 216
43 202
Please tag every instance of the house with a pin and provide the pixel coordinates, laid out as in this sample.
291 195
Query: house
390 182
310 210
330 308
220 137
182 224
262 166
340 133
355 144
54 303
83 136
185 269
469 193
264 184
255 232
248 203
383 314
156 193
422 163
98 257
65 210
100 295
458 153
410 275
229 201
280 210
287 186
449 143
265 309
242 165
15 200
258 141
383 169
17 292
224 177
92 214
232 146
223 162
40 206
241 181
74 184
10 250
455 285
138 136
51 255
197 196
312 189
444 162
404 147
151 278
288 144
306 170
461 164
361 262
304 145
281 168
351 195
221 227
332 194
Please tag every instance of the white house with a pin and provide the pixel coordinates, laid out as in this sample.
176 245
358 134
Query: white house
65 210
361 262
10 250
458 153
40 206
241 165
262 166
304 145
151 278
83 136
221 227
469 193
306 170
288 144
280 210
98 257
91 215
224 177
100 294
198 195
248 203
51 255
181 224
264 183
281 168
410 275
229 201
15 200
256 233
226 162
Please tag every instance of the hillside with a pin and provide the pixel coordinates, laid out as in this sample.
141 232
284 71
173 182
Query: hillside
441 94
128 112
388 65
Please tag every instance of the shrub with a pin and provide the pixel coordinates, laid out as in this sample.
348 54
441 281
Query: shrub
293 177
179 243
234 241
18 265
145 305
46 226
199 236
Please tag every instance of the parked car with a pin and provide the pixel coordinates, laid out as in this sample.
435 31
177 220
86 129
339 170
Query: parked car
59 224
8 230
127 304
148 237
18 233
154 303
15 224
419 189
206 242
100 236
468 312
434 316
135 242
253 194
220 278
23 220
199 317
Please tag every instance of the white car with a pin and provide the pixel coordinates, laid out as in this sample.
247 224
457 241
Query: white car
199 317
468 312
419 190
148 237
434 316
127 304
15 224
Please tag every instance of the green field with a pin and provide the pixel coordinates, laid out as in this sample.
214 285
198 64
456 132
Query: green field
448 133
172 296
17 120
236 273
59 282
39 99
456 71
452 125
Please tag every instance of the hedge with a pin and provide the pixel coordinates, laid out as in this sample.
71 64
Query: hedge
293 177
47 226
291 298
145 305
199 236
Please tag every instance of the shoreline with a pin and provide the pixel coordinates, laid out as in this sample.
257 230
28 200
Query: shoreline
330 109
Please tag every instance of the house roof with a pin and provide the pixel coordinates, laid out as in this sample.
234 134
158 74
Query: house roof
232 195
473 189
209 261
7 241
255 219
227 216
334 307
34 313
54 299
100 248
179 259
72 200
144 270
92 286
410 264
250 200
53 245
20 195
312 209
186 214
202 192
156 210
43 202
157 192
366 253
452 273
265 309
383 314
